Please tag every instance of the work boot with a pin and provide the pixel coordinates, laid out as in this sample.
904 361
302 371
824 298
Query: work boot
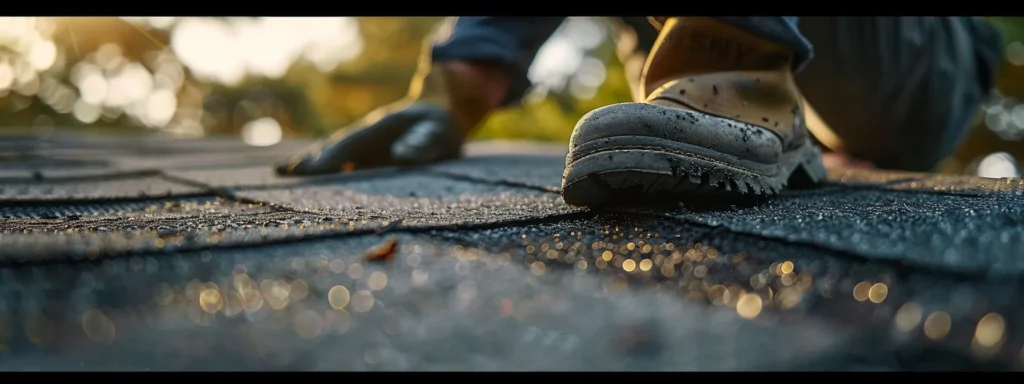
442 107
722 116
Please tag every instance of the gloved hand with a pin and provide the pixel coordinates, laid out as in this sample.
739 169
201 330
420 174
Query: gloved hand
443 106
399 134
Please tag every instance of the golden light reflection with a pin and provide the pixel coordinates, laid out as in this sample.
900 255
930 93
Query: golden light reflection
337 266
646 264
733 294
378 280
787 279
97 326
308 324
355 271
538 268
252 299
552 254
789 297
299 290
211 300
861 291
262 132
276 293
716 294
628 265
233 304
362 301
668 270
786 267
749 306
338 297
908 316
700 271
990 330
337 322
242 282
937 325
878 293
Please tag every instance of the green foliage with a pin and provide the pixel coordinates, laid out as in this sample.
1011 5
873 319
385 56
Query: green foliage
1011 27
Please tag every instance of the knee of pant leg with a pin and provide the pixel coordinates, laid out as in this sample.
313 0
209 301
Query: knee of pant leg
900 92
510 42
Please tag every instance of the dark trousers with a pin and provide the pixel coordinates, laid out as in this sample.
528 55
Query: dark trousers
898 91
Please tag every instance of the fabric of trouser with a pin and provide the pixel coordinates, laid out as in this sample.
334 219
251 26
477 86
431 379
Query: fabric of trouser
897 91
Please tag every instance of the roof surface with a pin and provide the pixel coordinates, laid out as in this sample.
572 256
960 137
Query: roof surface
159 254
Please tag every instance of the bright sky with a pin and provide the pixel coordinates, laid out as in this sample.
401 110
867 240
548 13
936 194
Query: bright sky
227 51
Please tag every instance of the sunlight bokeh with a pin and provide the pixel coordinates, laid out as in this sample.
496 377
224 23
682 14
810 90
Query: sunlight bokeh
228 50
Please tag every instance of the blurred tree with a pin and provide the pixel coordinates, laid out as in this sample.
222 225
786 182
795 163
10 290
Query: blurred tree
77 39
1010 84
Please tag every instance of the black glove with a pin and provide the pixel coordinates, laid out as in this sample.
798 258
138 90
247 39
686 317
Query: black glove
407 133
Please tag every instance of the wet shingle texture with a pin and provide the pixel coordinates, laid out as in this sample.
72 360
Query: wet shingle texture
156 254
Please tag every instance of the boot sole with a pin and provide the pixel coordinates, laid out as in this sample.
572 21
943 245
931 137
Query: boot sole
621 171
